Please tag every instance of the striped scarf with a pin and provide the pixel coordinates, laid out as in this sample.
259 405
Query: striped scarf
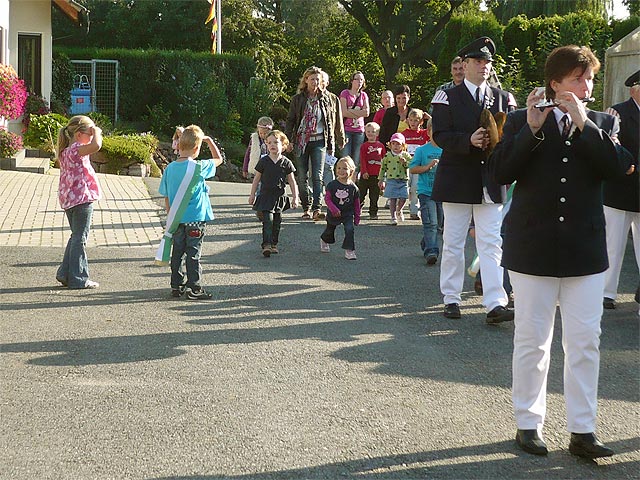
309 123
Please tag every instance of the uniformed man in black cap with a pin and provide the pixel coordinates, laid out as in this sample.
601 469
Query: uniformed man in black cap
463 185
621 196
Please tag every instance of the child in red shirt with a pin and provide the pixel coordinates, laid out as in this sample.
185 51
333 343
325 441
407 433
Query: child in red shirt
415 136
371 153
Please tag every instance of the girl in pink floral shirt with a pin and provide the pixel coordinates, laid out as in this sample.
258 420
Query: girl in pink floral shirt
77 191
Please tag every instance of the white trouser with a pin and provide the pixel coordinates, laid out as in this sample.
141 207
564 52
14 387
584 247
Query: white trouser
414 204
487 219
618 223
580 300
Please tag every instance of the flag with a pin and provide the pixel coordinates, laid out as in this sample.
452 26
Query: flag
214 26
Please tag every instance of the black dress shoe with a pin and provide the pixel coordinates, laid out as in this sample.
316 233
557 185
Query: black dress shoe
452 310
609 303
587 445
530 442
499 314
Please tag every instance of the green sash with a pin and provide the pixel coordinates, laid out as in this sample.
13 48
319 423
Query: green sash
177 209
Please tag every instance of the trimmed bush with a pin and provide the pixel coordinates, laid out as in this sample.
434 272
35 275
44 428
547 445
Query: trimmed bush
124 150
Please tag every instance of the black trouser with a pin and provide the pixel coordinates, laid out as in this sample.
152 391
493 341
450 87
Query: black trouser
328 236
270 228
371 185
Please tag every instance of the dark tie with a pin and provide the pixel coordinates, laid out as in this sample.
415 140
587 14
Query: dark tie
478 98
566 126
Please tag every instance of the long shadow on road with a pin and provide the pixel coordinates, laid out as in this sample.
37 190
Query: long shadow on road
388 295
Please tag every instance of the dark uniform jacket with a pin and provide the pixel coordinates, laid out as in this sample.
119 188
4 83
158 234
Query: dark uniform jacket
331 116
555 226
623 193
462 171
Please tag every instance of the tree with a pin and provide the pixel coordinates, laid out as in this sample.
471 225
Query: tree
633 6
505 10
163 24
401 31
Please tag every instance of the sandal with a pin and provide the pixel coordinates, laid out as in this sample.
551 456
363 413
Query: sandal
306 215
318 215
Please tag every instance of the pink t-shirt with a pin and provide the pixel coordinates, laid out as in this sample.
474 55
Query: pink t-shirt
379 116
78 181
354 101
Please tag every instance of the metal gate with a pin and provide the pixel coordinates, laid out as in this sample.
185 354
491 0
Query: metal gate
104 79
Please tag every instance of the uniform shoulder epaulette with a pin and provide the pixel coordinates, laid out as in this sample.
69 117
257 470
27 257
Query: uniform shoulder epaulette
440 97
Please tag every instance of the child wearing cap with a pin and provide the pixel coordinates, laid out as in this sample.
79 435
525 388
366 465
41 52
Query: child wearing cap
257 147
393 176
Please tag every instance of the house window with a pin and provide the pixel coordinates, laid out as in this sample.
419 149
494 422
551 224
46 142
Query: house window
30 61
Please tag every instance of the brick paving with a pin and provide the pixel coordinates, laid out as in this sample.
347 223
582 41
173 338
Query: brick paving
30 214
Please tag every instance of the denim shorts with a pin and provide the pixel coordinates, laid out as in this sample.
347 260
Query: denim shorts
396 188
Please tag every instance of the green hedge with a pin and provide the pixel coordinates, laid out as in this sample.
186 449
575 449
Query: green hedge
168 88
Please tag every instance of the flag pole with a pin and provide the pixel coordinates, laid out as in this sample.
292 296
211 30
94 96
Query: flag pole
219 33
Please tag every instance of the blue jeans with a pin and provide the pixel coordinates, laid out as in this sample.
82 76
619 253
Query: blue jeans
187 242
429 216
313 154
74 270
328 236
352 147
270 228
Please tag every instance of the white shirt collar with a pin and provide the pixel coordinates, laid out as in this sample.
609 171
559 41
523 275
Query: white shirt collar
559 114
473 87
637 104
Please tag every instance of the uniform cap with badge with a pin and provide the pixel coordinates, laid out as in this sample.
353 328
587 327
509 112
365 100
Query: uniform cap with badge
482 47
634 79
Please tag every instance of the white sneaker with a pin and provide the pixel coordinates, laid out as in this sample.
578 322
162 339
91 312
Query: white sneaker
350 254
324 247
91 284
394 221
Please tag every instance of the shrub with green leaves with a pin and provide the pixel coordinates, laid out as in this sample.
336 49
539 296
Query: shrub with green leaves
124 150
43 131
102 121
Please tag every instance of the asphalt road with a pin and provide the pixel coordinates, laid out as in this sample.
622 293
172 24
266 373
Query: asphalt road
304 365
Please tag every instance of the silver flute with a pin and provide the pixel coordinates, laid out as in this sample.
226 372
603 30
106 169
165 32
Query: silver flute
552 103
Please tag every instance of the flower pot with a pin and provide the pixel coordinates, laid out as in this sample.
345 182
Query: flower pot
12 163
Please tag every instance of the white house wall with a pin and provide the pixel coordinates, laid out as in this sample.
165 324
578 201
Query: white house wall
4 26
32 17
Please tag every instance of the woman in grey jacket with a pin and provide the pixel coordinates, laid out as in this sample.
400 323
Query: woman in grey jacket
314 127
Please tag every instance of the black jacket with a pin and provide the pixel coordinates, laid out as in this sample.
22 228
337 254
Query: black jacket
555 226
623 192
389 126
462 171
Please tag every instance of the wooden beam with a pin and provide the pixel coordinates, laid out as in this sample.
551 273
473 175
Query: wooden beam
68 9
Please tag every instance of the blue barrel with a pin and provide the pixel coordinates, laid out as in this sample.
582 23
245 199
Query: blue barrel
81 95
